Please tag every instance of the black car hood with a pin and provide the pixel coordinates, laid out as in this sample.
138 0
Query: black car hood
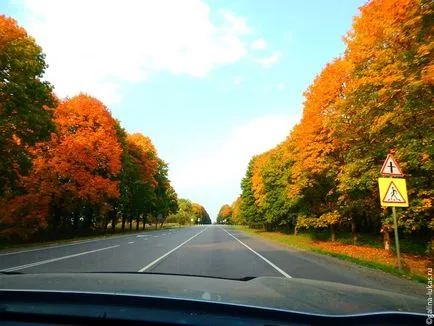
300 295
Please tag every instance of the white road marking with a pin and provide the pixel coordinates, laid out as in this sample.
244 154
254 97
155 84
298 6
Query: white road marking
143 235
145 239
164 234
16 268
131 242
281 271
155 236
169 252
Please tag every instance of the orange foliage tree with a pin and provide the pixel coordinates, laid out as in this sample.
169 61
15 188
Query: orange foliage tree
377 98
74 174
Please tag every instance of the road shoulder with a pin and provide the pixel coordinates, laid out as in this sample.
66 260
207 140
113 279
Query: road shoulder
354 273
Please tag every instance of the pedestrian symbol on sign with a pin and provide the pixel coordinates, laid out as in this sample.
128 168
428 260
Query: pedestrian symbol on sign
393 195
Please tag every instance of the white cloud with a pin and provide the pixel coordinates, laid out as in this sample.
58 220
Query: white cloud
267 62
93 46
226 164
258 44
280 86
236 24
238 80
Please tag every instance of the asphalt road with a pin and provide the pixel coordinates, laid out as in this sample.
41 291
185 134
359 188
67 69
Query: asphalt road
202 250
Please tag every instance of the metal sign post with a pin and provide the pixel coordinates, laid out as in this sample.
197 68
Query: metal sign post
395 227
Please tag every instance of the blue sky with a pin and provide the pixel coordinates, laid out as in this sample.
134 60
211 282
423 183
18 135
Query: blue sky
211 82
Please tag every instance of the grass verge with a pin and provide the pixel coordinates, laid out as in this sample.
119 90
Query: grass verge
414 266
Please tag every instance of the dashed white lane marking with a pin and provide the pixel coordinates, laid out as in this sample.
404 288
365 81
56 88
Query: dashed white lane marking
131 242
16 268
281 271
61 246
169 252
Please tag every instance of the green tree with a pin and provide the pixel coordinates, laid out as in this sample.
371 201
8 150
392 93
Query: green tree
279 210
165 198
249 211
24 100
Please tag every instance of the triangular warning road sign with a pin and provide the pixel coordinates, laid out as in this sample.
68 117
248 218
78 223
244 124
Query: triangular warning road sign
390 167
393 195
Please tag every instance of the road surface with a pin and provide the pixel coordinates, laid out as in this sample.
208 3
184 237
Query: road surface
202 250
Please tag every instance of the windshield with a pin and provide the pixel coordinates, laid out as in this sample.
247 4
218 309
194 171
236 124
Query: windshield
222 139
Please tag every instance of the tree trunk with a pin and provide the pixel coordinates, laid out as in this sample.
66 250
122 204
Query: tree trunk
105 223
386 237
156 224
114 220
353 229
131 223
137 222
295 231
144 223
123 223
75 223
332 231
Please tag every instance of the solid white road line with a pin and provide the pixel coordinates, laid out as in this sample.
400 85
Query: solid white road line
169 252
16 268
131 242
281 271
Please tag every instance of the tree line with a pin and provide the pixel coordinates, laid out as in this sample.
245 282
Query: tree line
375 99
189 213
66 165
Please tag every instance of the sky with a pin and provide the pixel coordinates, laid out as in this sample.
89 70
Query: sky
211 82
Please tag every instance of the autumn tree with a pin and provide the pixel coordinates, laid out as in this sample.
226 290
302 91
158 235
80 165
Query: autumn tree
25 117
236 212
74 174
200 214
388 106
317 154
143 181
224 215
375 99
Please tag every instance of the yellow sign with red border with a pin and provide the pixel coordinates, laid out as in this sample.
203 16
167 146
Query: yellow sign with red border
393 192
